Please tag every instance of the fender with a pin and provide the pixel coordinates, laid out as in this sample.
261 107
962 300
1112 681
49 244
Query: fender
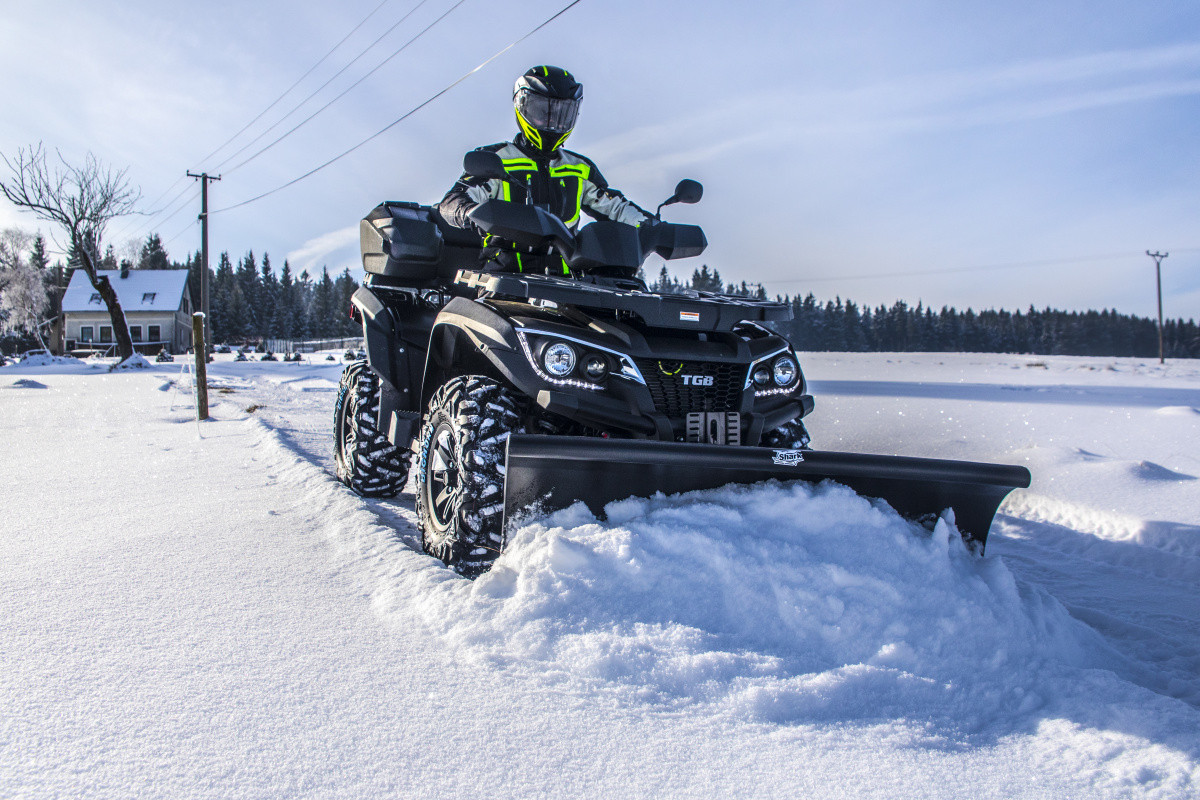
469 338
388 356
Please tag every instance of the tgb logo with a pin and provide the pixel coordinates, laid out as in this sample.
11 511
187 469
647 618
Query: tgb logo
697 380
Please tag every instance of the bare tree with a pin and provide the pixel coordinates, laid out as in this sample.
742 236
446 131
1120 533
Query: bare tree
81 201
23 297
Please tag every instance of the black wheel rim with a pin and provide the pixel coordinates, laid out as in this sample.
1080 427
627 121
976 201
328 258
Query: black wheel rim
442 478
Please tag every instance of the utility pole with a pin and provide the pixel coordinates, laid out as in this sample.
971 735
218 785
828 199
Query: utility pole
204 179
1158 257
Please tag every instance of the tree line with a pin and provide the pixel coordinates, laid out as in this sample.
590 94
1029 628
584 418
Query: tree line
252 302
844 326
249 301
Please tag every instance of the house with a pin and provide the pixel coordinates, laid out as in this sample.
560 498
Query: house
158 311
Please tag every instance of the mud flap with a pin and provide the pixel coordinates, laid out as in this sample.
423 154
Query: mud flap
553 472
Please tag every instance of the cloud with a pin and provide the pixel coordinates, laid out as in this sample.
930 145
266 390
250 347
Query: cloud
1012 92
315 251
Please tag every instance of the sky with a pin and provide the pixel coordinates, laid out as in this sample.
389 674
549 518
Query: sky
972 154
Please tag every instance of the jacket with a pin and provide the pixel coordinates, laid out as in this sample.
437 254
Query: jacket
567 184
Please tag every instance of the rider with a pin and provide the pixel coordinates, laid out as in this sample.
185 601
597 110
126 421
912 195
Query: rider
547 103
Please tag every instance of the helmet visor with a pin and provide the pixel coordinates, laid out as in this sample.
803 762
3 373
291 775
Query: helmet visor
547 113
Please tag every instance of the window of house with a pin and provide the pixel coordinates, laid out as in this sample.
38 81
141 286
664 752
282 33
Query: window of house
85 333
135 332
148 297
95 298
154 333
106 334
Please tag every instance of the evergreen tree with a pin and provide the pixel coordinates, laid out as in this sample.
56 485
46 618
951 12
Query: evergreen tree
268 296
321 314
195 270
153 256
344 289
248 283
283 315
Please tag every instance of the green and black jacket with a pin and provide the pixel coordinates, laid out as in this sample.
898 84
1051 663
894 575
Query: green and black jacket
568 184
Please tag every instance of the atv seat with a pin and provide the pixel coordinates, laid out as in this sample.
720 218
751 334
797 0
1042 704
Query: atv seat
412 245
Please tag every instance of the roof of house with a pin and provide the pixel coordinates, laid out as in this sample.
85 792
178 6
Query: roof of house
139 290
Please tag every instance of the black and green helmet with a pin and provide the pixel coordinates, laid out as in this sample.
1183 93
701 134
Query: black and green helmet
547 103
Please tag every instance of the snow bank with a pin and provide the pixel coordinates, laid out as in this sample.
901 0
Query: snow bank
780 602
135 361
44 359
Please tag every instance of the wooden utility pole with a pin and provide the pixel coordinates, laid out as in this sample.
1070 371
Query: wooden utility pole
1158 257
201 350
204 179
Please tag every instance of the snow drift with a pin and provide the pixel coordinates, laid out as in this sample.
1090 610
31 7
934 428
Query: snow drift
779 602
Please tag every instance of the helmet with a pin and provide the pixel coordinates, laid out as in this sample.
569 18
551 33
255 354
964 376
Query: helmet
547 103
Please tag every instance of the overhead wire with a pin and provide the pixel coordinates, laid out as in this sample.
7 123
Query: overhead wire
192 224
142 224
146 221
310 71
407 114
320 88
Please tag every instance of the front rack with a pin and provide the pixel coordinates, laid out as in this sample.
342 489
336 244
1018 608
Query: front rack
699 311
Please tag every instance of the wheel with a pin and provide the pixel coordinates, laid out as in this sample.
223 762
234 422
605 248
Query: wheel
791 435
363 457
460 472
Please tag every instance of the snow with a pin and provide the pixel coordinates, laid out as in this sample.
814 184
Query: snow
41 358
199 609
135 361
138 290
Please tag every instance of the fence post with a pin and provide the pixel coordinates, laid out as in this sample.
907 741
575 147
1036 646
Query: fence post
198 345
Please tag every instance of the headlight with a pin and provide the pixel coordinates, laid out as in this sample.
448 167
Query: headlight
762 376
559 359
785 371
595 367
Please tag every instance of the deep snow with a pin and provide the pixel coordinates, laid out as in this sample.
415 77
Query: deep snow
199 610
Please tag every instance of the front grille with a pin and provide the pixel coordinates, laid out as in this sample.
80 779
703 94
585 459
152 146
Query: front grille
673 397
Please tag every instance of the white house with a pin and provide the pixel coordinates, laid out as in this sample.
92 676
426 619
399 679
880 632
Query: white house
157 307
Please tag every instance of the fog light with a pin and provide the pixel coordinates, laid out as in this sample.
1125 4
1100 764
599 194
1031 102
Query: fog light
595 367
762 376
785 371
559 359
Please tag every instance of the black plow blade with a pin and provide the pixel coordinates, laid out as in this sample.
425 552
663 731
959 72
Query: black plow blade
552 472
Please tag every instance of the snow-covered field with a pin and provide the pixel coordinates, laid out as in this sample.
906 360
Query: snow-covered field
200 610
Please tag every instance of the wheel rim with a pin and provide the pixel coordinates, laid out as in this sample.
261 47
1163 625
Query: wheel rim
442 478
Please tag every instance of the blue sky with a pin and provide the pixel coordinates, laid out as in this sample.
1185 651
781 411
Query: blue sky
954 153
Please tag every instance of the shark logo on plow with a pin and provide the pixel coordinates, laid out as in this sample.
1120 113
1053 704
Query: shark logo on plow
787 458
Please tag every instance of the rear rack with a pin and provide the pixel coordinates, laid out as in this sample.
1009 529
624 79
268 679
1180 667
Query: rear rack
699 311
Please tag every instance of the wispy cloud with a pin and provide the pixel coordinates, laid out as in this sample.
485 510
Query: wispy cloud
1005 93
316 251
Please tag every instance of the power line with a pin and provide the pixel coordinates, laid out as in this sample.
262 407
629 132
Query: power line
148 223
320 88
1158 259
181 232
300 80
407 114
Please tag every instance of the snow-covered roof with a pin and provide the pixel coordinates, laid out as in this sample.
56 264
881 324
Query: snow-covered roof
139 290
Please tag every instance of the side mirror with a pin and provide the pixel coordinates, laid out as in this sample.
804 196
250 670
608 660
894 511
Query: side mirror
686 191
485 164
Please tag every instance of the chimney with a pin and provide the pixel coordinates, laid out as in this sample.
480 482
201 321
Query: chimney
124 272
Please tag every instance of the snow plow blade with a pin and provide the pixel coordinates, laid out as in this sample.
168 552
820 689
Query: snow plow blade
553 472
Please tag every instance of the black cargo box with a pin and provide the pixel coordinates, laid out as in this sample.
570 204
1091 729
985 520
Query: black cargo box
412 244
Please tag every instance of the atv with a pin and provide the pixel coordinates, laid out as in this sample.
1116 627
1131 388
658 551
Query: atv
519 391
